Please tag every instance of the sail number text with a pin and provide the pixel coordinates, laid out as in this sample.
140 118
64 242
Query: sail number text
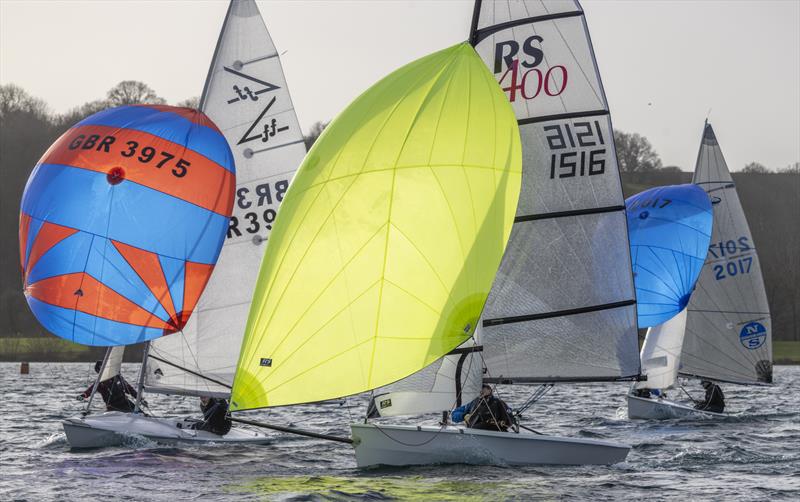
729 250
252 202
586 155
144 154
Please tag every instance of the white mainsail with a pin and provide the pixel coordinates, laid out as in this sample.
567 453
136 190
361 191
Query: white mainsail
562 307
247 97
661 353
729 329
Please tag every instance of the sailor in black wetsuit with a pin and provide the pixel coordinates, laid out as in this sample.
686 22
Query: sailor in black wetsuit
215 416
114 391
485 412
715 399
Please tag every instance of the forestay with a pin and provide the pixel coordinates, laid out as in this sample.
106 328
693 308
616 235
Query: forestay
729 330
562 307
389 238
247 96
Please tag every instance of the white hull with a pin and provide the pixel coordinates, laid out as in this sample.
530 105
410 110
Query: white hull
421 445
112 428
663 409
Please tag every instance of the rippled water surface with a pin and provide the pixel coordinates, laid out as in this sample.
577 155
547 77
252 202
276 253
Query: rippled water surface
754 455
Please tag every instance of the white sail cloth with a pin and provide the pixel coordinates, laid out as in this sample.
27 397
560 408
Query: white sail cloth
729 329
113 363
563 305
661 353
247 97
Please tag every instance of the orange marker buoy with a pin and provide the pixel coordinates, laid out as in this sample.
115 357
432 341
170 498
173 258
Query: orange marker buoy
24 368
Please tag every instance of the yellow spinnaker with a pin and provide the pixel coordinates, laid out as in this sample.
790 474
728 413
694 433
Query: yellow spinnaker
388 239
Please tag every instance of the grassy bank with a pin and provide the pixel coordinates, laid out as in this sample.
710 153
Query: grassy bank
53 349
786 352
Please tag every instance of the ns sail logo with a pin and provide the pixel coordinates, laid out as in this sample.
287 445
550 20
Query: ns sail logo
521 74
753 335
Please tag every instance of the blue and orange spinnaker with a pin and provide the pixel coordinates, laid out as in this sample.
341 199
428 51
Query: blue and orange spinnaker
122 221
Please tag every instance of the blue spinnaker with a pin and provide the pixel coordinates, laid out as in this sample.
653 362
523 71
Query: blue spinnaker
669 230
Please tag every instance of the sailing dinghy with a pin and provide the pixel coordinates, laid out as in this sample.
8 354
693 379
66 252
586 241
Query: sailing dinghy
247 97
670 230
357 303
562 305
726 327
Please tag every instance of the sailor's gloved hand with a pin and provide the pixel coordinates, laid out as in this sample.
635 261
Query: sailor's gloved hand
80 397
467 417
144 403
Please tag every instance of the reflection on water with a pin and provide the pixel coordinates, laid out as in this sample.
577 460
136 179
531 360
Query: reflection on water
379 487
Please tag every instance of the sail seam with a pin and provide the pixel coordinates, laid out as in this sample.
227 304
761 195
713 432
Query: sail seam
574 212
513 380
482 33
557 313
561 116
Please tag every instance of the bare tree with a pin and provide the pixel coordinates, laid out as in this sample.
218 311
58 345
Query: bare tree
314 133
755 168
671 169
193 102
132 92
635 153
14 99
791 169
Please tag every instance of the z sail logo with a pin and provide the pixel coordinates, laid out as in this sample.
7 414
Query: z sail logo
529 81
244 92
753 335
268 130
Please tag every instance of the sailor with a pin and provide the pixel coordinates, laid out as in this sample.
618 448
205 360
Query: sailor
485 412
715 399
114 391
215 416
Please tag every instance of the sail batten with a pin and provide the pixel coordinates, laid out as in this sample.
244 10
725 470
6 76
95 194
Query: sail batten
246 94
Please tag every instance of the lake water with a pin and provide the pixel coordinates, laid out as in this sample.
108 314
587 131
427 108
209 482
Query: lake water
754 455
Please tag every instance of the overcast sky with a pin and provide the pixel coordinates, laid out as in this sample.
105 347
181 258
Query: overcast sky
664 64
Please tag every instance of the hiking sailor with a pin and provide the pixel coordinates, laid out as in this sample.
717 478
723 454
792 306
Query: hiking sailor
485 412
215 416
114 392
715 399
